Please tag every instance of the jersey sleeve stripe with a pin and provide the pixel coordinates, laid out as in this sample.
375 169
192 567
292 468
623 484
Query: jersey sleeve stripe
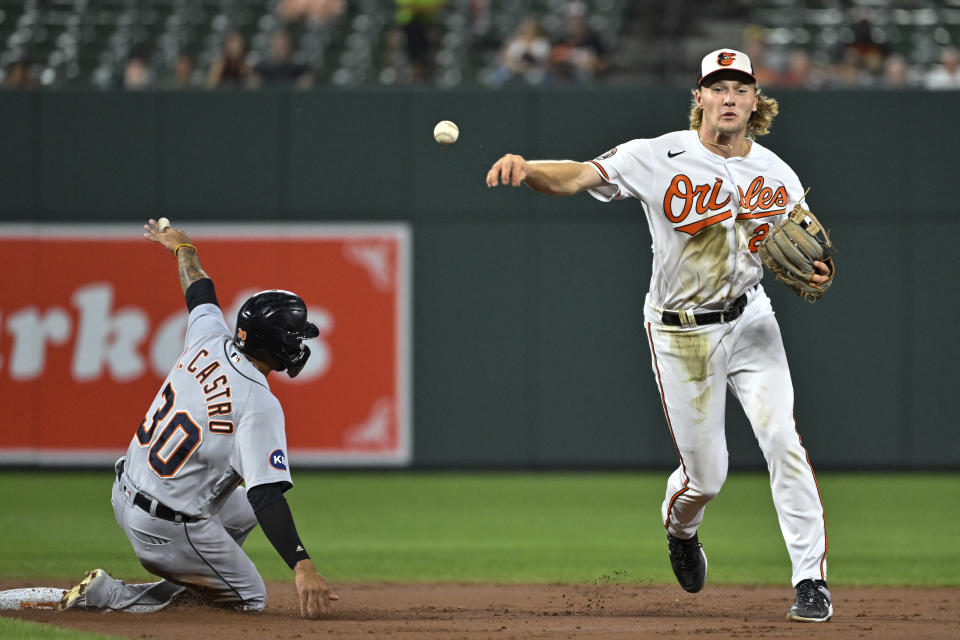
602 171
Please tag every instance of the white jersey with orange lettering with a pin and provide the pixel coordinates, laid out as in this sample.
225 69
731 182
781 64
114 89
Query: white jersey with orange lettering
707 214
213 424
711 328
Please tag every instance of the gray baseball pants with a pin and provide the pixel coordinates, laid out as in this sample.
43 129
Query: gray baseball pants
204 557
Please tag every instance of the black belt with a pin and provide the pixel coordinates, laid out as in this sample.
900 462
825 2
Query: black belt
734 311
160 510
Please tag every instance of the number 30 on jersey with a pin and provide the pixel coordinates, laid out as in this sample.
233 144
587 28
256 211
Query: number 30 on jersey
176 442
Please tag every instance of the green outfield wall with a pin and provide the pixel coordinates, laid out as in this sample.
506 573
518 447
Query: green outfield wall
528 341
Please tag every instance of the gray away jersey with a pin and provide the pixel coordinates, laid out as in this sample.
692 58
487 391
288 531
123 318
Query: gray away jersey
213 424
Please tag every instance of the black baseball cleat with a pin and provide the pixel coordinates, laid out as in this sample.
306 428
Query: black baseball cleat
813 602
689 562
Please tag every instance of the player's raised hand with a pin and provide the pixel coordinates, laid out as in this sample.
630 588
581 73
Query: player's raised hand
509 170
312 589
168 237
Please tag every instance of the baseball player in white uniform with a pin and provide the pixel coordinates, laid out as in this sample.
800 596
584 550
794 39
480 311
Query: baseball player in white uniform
710 195
213 424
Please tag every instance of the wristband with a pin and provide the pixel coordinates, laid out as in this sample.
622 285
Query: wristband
176 251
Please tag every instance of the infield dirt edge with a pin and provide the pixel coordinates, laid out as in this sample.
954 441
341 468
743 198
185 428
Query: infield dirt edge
467 610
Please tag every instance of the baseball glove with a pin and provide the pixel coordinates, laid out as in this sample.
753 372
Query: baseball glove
790 249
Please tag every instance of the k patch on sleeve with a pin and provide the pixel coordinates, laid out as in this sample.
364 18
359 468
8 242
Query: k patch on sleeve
278 460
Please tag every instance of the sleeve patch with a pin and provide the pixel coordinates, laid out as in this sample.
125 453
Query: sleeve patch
278 460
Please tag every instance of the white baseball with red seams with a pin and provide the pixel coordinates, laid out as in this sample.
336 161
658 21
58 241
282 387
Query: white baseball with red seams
707 215
446 132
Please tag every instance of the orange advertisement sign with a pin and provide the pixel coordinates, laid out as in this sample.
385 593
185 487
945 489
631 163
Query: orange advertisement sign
93 317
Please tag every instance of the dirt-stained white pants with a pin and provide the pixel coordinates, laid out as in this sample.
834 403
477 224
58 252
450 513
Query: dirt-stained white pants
693 368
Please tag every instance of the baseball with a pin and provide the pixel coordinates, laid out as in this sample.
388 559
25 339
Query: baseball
446 132
163 224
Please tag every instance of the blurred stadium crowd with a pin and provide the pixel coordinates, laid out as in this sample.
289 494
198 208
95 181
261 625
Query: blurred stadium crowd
184 44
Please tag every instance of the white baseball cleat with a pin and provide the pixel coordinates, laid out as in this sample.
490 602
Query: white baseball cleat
75 596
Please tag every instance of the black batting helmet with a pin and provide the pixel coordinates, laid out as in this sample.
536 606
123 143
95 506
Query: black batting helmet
272 326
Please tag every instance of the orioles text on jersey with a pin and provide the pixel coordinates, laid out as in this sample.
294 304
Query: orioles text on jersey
705 198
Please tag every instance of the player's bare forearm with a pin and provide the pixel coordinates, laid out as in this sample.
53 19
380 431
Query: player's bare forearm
188 264
552 177
177 242
560 177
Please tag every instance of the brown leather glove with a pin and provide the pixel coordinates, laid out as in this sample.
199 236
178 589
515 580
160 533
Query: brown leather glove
790 250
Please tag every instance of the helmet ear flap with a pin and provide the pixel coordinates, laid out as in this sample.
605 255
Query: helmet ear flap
295 367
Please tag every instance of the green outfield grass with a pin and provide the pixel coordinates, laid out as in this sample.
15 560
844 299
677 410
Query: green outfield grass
13 629
884 529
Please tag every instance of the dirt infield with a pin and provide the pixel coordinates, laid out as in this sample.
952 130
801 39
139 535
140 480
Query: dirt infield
473 611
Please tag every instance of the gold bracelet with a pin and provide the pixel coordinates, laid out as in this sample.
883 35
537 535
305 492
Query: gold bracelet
176 251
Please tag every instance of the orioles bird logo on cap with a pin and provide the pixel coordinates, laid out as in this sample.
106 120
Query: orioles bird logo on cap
725 59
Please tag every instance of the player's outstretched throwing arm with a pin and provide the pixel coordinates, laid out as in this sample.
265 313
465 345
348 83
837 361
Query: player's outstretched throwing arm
552 177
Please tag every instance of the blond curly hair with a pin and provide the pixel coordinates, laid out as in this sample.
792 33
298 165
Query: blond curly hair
760 120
